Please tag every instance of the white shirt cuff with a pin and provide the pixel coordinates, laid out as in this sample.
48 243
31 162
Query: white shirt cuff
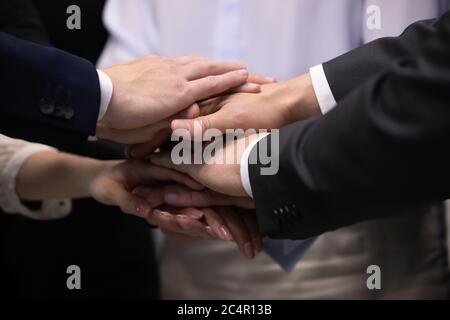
322 89
106 91
245 176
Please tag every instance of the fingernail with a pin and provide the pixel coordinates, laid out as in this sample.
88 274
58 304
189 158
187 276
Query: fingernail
211 233
224 233
161 213
243 72
270 79
183 221
248 250
251 86
197 214
178 124
142 209
194 214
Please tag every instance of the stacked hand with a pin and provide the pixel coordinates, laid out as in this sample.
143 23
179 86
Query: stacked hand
154 97
276 105
153 90
137 187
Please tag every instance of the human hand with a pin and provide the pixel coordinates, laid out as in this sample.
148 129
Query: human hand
144 141
153 88
179 196
154 134
277 105
123 183
113 182
221 223
220 172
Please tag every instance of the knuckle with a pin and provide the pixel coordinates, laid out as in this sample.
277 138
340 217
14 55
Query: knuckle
213 83
106 193
240 117
210 67
129 207
173 68
181 88
180 227
126 209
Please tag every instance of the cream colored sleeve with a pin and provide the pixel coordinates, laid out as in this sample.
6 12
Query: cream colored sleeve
13 154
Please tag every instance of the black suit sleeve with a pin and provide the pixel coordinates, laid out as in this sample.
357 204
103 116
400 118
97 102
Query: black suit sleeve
384 149
348 71
47 95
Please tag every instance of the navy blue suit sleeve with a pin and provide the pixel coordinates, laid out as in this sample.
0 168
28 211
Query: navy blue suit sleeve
47 95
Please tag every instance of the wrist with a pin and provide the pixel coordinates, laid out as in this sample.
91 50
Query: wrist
88 171
30 172
303 103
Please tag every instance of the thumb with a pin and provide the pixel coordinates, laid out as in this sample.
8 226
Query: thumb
198 126
140 151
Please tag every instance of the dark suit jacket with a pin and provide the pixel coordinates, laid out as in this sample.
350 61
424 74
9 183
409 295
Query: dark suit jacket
381 151
114 251
47 95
